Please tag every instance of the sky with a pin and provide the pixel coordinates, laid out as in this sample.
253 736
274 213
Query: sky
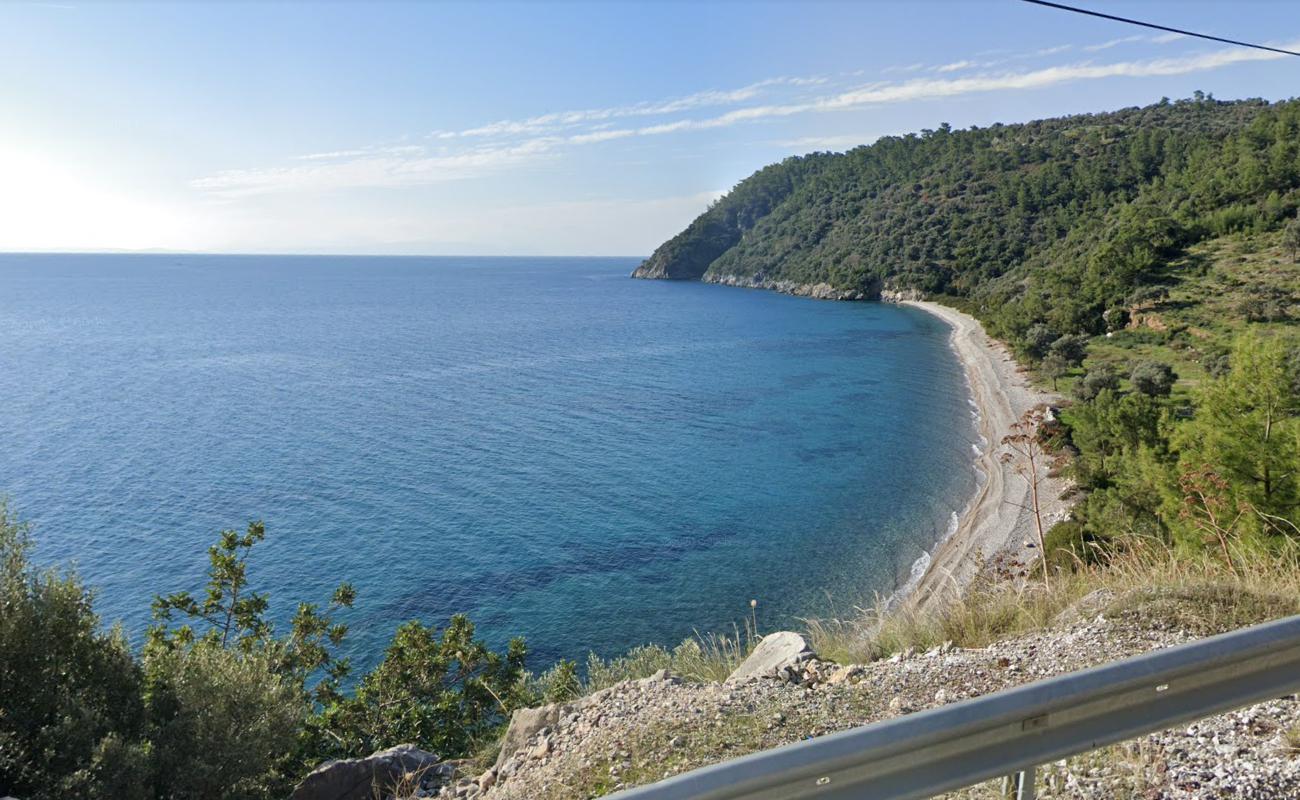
528 128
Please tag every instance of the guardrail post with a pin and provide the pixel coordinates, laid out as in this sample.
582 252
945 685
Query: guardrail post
1020 785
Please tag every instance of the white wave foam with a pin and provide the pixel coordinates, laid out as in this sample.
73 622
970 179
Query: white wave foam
922 564
919 568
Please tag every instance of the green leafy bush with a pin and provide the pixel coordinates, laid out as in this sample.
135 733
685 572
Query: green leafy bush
1153 378
444 690
558 684
1095 380
1067 546
71 715
224 723
217 706
1071 348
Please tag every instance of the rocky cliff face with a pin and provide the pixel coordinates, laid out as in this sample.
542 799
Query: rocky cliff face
820 291
897 295
662 268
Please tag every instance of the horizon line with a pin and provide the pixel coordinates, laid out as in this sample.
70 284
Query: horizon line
243 254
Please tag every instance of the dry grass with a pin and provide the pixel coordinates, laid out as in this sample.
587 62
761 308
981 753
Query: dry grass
1197 592
703 657
407 786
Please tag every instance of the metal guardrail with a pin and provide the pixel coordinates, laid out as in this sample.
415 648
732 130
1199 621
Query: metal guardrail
1010 732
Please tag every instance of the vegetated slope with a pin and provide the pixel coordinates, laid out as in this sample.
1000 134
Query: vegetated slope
688 254
1055 222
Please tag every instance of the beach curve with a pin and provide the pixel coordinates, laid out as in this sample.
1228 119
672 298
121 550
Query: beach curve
997 520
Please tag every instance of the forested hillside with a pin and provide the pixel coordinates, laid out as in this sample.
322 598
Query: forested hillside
1055 222
1144 262
716 231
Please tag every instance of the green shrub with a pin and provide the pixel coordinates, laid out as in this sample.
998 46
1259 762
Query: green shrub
1153 378
1067 547
1100 377
224 723
1071 348
1038 340
70 705
709 657
558 684
444 691
639 662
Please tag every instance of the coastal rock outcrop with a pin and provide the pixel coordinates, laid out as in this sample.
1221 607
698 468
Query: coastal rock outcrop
776 652
525 723
357 778
818 291
901 295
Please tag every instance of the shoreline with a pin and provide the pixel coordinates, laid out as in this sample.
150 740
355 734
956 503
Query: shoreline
995 521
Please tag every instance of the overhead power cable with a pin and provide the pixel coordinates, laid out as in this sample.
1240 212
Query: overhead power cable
1161 27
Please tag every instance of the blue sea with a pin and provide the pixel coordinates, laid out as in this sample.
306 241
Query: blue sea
561 452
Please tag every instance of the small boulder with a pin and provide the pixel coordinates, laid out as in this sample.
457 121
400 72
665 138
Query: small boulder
844 674
542 749
526 723
356 778
775 653
664 676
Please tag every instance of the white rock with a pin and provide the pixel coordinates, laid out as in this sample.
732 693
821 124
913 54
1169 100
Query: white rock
777 651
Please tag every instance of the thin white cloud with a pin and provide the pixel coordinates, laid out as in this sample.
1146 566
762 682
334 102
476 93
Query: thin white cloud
561 120
1096 48
1051 51
956 65
1164 38
934 88
915 67
375 170
600 136
396 150
804 144
521 143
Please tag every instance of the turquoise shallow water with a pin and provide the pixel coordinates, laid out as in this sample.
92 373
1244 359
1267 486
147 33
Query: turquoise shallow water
561 452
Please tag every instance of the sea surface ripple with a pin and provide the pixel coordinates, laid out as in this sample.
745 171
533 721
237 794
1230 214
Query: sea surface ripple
562 453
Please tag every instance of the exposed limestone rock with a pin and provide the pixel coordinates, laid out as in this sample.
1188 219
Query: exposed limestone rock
357 778
777 652
655 270
897 295
1145 319
819 291
526 723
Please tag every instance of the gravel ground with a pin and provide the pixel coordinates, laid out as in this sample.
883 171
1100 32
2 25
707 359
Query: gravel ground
640 731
